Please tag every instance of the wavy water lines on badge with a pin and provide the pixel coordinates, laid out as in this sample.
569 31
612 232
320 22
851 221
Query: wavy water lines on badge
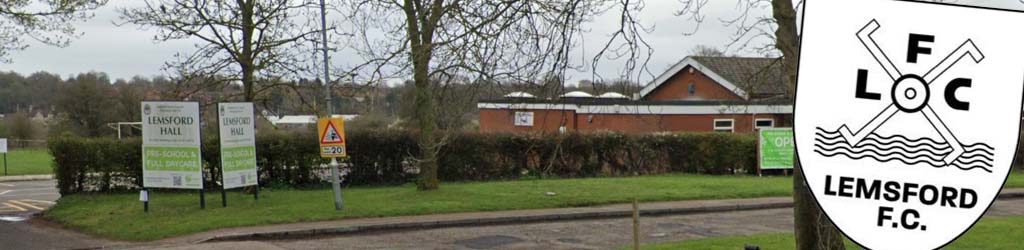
902 149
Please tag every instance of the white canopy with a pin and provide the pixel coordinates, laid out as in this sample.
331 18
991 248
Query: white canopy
519 94
613 95
577 94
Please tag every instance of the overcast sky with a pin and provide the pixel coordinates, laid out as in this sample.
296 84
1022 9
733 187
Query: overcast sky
126 51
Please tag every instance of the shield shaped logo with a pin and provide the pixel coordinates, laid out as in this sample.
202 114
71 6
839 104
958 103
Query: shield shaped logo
907 116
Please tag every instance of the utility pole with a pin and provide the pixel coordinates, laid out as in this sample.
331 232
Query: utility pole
335 178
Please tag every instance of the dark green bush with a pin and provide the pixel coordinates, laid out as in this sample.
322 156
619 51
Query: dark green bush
387 157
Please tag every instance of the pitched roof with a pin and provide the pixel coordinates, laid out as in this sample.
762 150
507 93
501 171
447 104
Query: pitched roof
745 76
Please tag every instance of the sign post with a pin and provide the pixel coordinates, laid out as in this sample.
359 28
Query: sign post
237 148
3 150
775 149
332 145
171 154
906 116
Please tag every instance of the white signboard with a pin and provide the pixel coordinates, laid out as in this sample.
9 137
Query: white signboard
237 144
3 145
171 155
524 119
907 115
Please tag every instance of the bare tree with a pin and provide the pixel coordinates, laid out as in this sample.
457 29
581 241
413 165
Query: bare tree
240 41
446 43
46 21
813 229
704 50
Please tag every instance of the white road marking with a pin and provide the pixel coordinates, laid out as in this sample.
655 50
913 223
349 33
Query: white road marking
6 185
12 218
4 192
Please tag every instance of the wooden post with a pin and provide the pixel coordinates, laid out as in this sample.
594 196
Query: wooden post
636 224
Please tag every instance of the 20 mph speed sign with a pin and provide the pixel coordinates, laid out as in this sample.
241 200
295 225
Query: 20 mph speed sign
907 115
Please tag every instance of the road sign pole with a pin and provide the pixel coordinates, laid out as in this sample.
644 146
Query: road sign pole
336 183
5 164
223 196
256 192
202 198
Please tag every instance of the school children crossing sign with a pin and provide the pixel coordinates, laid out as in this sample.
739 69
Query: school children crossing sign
907 115
332 137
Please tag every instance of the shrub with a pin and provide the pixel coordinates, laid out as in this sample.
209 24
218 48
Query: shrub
387 157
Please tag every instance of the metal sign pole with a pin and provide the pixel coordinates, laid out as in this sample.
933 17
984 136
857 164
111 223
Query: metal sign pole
759 161
145 202
223 196
336 184
5 164
202 198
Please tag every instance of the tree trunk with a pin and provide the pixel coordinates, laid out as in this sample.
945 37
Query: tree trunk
421 34
247 57
813 230
426 119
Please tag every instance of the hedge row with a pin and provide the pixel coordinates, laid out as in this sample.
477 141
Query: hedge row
388 157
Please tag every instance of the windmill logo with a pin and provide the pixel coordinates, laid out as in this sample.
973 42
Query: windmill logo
906 126
910 96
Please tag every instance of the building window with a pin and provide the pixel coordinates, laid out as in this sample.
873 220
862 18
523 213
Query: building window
724 125
693 88
764 123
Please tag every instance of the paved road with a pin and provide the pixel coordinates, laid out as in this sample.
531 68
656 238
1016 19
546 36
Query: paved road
23 198
579 235
19 201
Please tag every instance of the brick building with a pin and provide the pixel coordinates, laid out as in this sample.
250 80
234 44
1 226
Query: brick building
698 94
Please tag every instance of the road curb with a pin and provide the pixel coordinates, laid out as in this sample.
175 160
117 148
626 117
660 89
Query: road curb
335 231
15 178
506 220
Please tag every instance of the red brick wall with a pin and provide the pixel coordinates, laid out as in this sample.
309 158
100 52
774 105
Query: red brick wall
678 88
501 120
743 123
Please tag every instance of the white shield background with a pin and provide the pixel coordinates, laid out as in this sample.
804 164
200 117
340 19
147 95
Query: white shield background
831 55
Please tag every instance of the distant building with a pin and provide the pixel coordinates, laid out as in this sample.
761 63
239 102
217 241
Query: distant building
301 120
698 94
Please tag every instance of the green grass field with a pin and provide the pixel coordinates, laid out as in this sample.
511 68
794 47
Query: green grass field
175 214
990 233
28 162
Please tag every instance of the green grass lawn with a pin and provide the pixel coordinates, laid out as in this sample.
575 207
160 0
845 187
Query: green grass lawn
178 213
990 233
28 162
175 214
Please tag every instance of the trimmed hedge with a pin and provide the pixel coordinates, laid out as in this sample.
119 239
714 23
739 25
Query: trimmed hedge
388 157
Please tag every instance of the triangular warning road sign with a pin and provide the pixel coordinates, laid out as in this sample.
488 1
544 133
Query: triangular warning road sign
331 135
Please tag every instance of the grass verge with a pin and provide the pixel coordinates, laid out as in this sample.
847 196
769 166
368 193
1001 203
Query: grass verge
990 233
120 216
178 213
28 162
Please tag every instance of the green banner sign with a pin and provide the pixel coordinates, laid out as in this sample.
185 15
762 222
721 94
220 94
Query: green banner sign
776 149
237 144
171 157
